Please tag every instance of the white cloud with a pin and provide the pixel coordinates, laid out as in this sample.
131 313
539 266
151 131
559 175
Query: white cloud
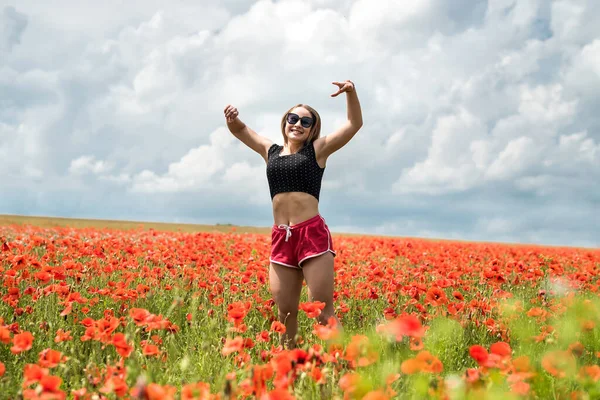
583 72
449 165
517 156
579 149
249 182
463 155
542 185
544 105
120 179
370 17
192 172
88 164
590 57
568 17
12 25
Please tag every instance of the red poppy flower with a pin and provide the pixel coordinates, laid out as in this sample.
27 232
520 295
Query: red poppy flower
277 327
479 354
312 309
123 348
51 358
233 345
404 325
22 342
501 348
4 335
436 296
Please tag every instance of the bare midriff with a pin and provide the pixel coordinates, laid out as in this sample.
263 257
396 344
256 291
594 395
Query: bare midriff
291 208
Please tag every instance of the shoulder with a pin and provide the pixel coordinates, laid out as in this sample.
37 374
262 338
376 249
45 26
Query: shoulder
274 148
318 145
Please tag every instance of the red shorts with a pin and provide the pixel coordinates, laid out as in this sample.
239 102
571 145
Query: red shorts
292 245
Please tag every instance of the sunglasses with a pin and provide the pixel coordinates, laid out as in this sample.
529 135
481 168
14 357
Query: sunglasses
306 122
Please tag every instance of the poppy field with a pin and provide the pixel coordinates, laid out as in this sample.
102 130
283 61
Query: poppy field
90 313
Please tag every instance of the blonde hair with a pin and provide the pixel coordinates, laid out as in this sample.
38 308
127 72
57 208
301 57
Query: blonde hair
315 129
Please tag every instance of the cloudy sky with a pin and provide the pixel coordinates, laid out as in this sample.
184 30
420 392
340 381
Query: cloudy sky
481 118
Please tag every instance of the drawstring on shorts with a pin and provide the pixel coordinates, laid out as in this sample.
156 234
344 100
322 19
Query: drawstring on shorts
288 231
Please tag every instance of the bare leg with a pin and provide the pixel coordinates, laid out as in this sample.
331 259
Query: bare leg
318 272
286 286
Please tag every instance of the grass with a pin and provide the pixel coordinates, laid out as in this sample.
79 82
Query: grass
191 280
78 223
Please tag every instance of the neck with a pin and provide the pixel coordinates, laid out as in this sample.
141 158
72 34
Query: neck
294 147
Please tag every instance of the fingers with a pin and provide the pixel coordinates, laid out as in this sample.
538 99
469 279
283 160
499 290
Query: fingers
231 113
340 85
346 86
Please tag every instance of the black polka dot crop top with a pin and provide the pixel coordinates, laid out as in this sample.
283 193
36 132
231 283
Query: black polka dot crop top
298 172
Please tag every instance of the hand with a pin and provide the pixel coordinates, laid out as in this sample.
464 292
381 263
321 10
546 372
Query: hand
231 113
347 86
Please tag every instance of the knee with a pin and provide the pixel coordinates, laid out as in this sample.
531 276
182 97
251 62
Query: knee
288 309
285 304
285 317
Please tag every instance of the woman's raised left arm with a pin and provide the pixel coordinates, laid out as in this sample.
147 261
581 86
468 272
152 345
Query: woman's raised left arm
336 140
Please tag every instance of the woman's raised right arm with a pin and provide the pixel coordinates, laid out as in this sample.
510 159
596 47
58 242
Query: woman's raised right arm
240 130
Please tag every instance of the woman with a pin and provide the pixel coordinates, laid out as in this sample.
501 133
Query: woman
301 242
